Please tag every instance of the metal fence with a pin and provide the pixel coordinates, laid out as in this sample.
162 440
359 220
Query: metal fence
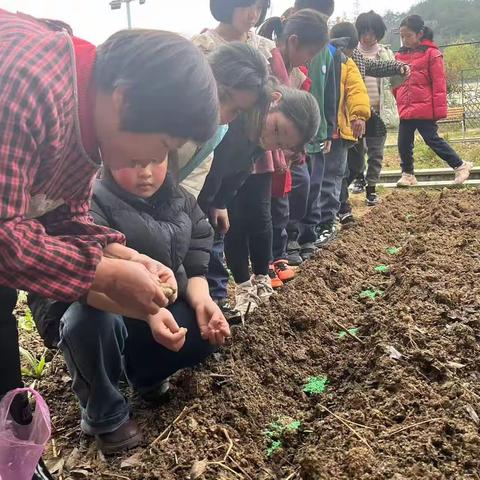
470 97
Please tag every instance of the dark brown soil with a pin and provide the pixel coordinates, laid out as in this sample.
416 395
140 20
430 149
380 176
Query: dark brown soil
408 417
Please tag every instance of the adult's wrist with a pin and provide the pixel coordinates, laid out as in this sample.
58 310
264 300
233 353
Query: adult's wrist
104 275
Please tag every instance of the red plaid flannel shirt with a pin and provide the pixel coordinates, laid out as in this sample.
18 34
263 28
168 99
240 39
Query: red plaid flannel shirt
44 162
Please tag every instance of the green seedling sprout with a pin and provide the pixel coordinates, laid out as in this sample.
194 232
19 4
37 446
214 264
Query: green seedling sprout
409 216
274 447
276 431
351 331
316 385
393 250
372 294
382 269
26 322
36 368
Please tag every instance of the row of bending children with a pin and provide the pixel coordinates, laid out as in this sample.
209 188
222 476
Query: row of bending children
264 191
259 118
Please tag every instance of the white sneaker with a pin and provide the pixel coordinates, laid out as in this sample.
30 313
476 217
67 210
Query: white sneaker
264 287
246 298
407 180
463 172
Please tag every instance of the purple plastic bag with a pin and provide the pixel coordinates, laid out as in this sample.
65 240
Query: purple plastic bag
21 446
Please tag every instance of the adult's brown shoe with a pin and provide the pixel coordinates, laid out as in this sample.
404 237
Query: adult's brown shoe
123 438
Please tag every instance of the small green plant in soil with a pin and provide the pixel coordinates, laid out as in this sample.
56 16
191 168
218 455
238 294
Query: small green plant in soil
351 331
276 432
371 294
316 385
409 217
35 368
26 322
393 250
382 269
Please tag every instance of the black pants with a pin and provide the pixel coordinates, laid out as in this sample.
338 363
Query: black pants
428 129
304 198
250 234
280 218
10 373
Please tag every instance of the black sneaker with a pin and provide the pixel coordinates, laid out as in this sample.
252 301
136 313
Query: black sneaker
232 315
41 472
372 199
293 252
325 234
346 218
358 186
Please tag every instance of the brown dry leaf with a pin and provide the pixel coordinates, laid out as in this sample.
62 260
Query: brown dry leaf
198 469
394 353
56 465
132 461
73 459
472 413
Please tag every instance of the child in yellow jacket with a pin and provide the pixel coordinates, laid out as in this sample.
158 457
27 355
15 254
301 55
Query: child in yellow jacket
353 112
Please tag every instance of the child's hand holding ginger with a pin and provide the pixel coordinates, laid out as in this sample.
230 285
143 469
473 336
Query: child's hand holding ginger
165 330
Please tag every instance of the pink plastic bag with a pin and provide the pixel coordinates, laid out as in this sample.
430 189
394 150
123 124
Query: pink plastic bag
21 446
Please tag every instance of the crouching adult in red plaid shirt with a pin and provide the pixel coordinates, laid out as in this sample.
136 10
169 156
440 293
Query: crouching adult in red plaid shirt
64 107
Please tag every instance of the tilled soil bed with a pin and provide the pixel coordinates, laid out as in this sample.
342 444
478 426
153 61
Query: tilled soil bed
403 390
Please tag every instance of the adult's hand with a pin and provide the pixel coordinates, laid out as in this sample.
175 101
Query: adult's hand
212 323
164 274
130 285
219 220
166 332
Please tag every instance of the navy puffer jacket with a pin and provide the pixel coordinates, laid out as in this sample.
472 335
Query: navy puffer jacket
169 227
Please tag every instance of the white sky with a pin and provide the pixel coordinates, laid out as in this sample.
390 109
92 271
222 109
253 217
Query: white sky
94 21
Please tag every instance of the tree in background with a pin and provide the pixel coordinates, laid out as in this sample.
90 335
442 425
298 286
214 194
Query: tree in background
452 19
457 59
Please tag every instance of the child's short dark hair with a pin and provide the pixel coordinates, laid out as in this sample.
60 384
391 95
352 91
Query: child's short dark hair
301 108
222 10
323 6
345 30
168 85
241 67
416 24
371 21
309 26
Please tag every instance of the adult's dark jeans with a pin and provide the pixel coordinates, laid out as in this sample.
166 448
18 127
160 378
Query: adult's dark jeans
99 347
250 234
428 129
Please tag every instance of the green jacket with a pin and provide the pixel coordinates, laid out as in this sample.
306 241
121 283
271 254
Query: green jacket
322 75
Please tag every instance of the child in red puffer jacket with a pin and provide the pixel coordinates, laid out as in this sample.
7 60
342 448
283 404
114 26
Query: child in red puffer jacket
422 100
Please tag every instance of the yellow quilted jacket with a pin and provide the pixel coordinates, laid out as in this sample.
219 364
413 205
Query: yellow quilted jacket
354 103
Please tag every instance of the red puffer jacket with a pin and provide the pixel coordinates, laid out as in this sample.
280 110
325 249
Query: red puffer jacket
423 96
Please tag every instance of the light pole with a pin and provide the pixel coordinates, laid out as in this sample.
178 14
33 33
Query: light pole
117 5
